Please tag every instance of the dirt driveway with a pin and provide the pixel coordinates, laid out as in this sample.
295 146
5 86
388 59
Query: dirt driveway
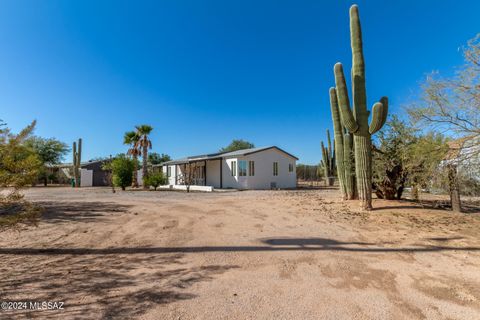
240 255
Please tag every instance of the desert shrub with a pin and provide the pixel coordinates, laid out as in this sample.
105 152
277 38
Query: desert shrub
155 179
405 156
49 151
19 167
19 212
122 170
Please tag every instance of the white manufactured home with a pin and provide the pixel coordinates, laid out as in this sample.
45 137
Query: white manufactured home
256 168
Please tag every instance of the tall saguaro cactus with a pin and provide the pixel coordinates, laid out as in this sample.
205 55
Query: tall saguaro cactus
343 151
356 121
328 162
77 159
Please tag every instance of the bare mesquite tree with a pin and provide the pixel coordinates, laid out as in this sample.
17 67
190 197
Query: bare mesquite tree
189 174
452 106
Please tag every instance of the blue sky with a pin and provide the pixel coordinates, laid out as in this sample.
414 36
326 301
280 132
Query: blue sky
205 72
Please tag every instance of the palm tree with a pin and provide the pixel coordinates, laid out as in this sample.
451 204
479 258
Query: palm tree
131 138
144 144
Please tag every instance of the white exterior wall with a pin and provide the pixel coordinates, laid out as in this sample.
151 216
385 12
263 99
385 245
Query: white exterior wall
228 180
263 171
213 173
171 179
86 178
262 179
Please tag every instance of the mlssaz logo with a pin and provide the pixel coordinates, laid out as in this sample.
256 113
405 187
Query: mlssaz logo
46 305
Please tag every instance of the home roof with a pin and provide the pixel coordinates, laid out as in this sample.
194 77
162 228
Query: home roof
220 155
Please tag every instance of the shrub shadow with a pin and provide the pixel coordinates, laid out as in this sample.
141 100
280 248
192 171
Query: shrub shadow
441 205
84 211
118 286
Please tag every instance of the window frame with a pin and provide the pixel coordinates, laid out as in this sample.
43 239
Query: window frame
233 166
290 167
169 171
251 168
275 169
241 170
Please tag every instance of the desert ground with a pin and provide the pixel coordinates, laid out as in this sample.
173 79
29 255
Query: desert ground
300 254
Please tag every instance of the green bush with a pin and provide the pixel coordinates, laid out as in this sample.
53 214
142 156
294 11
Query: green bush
122 171
155 179
19 167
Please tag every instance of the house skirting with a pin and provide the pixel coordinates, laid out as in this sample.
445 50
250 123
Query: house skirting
183 187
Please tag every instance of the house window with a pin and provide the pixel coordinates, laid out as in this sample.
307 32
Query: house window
251 168
275 168
234 168
290 167
169 171
242 168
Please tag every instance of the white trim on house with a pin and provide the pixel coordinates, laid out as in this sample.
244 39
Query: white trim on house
234 169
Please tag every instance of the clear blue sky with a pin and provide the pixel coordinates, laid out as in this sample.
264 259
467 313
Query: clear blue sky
205 72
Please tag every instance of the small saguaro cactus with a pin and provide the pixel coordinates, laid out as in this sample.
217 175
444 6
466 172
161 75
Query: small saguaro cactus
343 151
356 121
328 162
77 159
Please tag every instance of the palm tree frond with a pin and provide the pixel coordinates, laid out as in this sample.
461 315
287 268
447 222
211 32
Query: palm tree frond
130 137
144 129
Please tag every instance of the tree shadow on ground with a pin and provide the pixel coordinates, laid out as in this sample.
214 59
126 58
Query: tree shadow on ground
441 205
308 242
315 187
84 211
126 282
274 244
118 286
445 239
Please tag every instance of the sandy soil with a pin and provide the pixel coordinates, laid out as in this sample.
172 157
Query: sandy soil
240 255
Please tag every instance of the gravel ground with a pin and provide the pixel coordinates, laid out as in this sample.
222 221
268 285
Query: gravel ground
240 255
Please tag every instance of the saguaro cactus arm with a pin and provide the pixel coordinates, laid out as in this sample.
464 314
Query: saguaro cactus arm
329 141
338 141
379 115
324 154
79 153
79 162
74 151
348 120
335 113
